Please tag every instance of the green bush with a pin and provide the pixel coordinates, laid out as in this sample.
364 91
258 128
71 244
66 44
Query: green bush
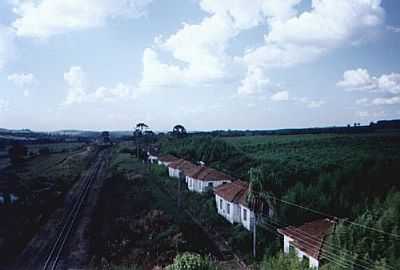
188 261
283 262
159 170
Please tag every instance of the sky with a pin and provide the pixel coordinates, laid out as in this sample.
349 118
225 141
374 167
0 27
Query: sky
205 64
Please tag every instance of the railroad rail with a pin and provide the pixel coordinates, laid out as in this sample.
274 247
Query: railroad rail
70 218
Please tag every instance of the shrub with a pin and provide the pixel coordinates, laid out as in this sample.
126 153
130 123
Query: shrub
159 170
188 261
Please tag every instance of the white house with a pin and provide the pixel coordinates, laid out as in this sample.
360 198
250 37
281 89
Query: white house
174 168
307 241
166 160
202 179
153 159
231 203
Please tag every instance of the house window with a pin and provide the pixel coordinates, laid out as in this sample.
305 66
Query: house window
306 261
244 214
210 185
228 208
220 203
291 249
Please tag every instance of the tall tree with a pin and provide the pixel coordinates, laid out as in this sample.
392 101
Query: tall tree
256 199
179 131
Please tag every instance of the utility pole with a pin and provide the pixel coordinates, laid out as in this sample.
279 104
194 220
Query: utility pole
254 235
179 188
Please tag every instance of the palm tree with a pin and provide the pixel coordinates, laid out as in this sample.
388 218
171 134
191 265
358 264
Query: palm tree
140 128
257 199
139 131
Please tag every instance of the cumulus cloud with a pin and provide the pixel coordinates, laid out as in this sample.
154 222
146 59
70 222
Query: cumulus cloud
24 81
78 89
43 18
385 84
387 101
255 82
311 34
394 29
199 51
357 79
360 79
76 81
7 37
280 96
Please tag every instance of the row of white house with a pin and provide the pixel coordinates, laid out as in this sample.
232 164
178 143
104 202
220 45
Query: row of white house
306 241
230 195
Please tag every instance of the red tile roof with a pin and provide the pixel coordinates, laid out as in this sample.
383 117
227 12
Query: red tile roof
183 165
168 158
310 237
175 164
204 173
235 192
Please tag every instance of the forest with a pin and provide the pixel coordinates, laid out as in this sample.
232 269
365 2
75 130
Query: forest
350 176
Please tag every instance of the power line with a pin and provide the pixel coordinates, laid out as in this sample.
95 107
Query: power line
330 256
362 262
334 260
331 216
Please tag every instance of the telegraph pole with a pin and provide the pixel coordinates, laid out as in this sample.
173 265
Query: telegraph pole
254 235
179 188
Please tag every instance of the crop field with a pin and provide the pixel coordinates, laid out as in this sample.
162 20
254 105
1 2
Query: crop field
55 147
316 152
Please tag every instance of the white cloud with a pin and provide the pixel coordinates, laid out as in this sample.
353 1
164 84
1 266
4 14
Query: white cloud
4 105
311 34
255 82
311 103
43 18
387 84
280 96
76 80
121 90
390 83
7 37
360 79
157 74
362 101
200 49
387 101
394 29
24 81
370 114
79 92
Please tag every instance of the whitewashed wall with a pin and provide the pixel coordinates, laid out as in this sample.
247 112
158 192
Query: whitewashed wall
314 263
249 220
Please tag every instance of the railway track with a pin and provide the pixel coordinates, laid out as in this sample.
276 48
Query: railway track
70 219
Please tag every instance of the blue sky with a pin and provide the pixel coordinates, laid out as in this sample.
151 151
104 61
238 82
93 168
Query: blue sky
206 64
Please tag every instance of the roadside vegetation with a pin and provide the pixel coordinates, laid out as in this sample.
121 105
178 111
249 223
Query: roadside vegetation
137 221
